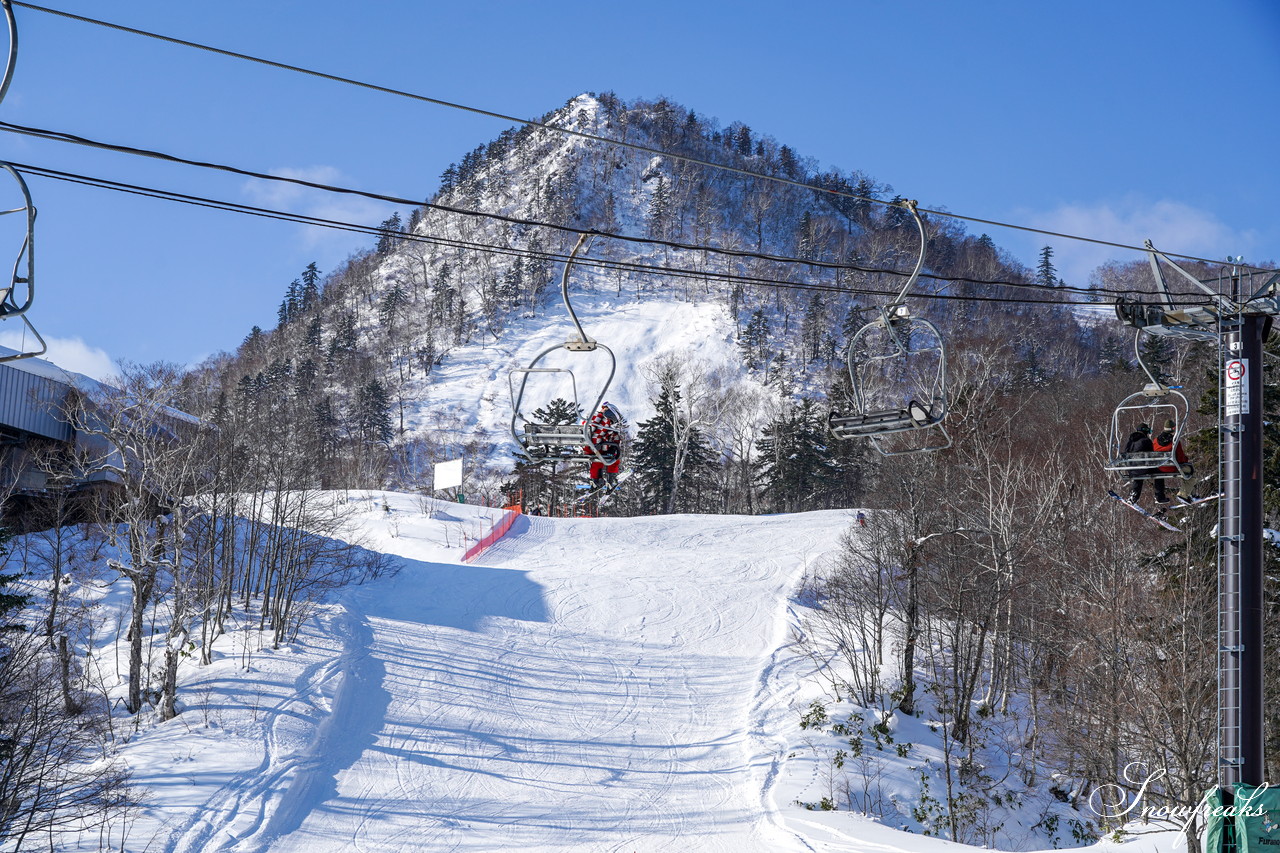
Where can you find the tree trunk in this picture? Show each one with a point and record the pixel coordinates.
(910, 635)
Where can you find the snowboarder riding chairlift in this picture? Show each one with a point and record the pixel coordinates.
(606, 438)
(1140, 441)
(1164, 443)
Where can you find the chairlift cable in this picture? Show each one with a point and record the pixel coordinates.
(597, 263)
(644, 149)
(104, 183)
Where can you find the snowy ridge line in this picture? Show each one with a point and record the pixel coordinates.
(495, 533)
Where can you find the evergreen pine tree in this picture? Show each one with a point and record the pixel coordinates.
(512, 284)
(310, 287)
(654, 456)
(448, 178)
(797, 469)
(860, 207)
(788, 163)
(804, 237)
(11, 603)
(659, 209)
(754, 340)
(389, 234)
(373, 414)
(1112, 355)
(315, 334)
(854, 320)
(558, 411)
(1046, 275)
(252, 343)
(1157, 355)
(391, 304)
(811, 329)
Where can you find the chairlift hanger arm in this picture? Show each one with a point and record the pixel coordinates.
(910, 205)
(9, 307)
(583, 343)
(12, 59)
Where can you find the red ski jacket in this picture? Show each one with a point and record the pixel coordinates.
(1163, 444)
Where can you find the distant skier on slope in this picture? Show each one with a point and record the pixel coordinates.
(606, 440)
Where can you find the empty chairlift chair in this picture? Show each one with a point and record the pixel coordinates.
(898, 375)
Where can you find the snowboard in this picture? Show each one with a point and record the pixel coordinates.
(1182, 503)
(1151, 515)
(605, 491)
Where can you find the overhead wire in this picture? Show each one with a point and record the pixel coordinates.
(392, 199)
(61, 136)
(592, 137)
(604, 263)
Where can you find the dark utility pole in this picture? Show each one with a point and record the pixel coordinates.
(1240, 695)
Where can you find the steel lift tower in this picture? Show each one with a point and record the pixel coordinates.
(1239, 326)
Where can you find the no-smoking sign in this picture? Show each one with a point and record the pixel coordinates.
(1237, 390)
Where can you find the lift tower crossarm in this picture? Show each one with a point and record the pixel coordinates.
(1153, 254)
(1265, 300)
(1191, 322)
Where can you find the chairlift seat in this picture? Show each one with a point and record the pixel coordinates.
(1157, 402)
(913, 416)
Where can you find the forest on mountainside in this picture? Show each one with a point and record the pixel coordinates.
(1002, 568)
(353, 352)
(1002, 580)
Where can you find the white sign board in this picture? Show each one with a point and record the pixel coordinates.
(1236, 387)
(448, 474)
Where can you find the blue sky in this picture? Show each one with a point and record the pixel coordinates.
(1120, 121)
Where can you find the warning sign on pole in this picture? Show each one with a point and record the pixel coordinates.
(1236, 401)
(448, 474)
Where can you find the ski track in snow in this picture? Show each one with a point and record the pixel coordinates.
(596, 685)
(621, 685)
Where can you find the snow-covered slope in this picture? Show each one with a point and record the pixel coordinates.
(471, 394)
(589, 685)
(594, 685)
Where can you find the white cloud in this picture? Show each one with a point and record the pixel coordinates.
(293, 198)
(1172, 226)
(71, 354)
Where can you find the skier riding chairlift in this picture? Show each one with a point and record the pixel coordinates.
(606, 445)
